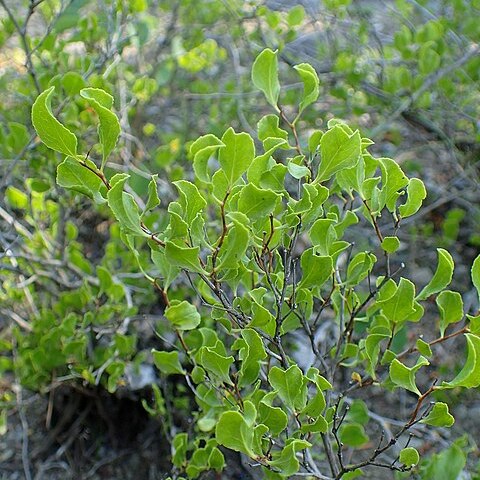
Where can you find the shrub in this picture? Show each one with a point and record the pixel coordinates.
(285, 321)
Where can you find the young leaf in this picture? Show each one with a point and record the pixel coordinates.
(51, 132)
(416, 194)
(167, 362)
(310, 84)
(273, 417)
(237, 155)
(201, 150)
(153, 200)
(182, 315)
(339, 150)
(441, 278)
(409, 457)
(109, 126)
(439, 416)
(404, 376)
(265, 76)
(124, 207)
(390, 244)
(450, 305)
(191, 200)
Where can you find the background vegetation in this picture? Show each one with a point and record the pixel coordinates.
(80, 396)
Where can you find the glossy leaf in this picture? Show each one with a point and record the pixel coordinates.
(182, 315)
(257, 203)
(409, 456)
(235, 432)
(51, 132)
(439, 416)
(183, 257)
(124, 207)
(339, 150)
(109, 126)
(310, 84)
(316, 269)
(404, 376)
(450, 305)
(441, 278)
(167, 362)
(265, 75)
(74, 176)
(237, 155)
(290, 385)
(416, 194)
(469, 376)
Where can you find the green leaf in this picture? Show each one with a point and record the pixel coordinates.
(322, 234)
(257, 203)
(265, 75)
(441, 278)
(297, 171)
(290, 385)
(469, 376)
(167, 362)
(215, 363)
(446, 465)
(74, 176)
(287, 461)
(201, 150)
(390, 244)
(252, 352)
(16, 198)
(475, 272)
(182, 315)
(153, 200)
(51, 132)
(400, 306)
(234, 247)
(267, 127)
(393, 180)
(183, 257)
(191, 200)
(439, 416)
(296, 15)
(72, 83)
(358, 412)
(109, 127)
(273, 417)
(339, 151)
(404, 376)
(237, 155)
(234, 432)
(409, 457)
(353, 435)
(124, 207)
(416, 194)
(310, 84)
(316, 269)
(423, 348)
(450, 305)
